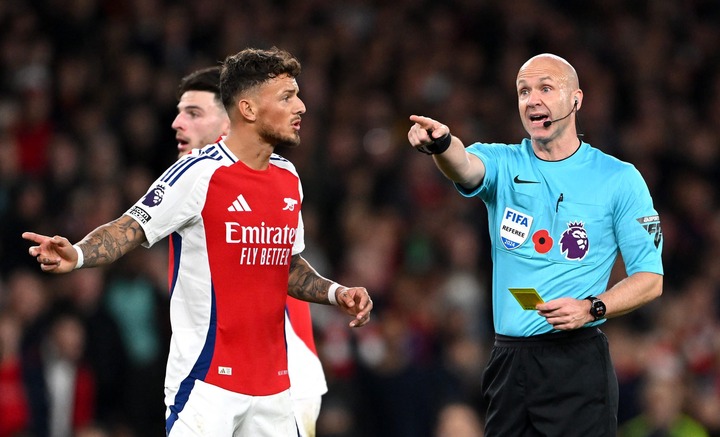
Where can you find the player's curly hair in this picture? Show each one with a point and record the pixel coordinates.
(252, 67)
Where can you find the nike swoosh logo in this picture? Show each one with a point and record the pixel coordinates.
(517, 180)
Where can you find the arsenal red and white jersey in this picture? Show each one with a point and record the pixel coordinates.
(233, 231)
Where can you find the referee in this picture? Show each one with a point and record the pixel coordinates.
(559, 212)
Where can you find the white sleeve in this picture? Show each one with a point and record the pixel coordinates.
(175, 199)
(299, 244)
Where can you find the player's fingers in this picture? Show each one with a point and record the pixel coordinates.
(60, 241)
(346, 298)
(356, 323)
(362, 318)
(47, 261)
(356, 294)
(32, 236)
(48, 265)
(363, 299)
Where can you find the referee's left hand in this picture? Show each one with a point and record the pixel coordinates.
(565, 313)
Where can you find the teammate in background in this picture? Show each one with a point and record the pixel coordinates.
(232, 210)
(202, 120)
(559, 211)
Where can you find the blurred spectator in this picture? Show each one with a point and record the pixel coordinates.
(61, 384)
(106, 350)
(400, 392)
(28, 298)
(14, 409)
(27, 200)
(458, 420)
(140, 310)
(92, 431)
(662, 415)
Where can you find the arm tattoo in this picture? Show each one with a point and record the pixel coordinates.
(110, 241)
(305, 283)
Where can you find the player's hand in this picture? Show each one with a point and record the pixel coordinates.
(425, 130)
(54, 254)
(356, 302)
(565, 313)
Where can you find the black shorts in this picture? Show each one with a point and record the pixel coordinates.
(552, 385)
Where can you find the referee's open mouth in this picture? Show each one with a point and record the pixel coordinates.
(538, 119)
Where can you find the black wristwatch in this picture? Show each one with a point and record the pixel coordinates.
(597, 307)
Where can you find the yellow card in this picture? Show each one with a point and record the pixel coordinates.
(526, 297)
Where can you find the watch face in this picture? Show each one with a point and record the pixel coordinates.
(598, 309)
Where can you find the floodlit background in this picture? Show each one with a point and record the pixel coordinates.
(87, 96)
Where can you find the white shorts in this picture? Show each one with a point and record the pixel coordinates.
(307, 411)
(211, 411)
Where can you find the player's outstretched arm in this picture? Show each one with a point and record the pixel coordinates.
(104, 245)
(306, 284)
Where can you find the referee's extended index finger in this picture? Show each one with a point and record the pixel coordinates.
(424, 122)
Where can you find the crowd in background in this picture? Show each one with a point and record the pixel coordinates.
(87, 96)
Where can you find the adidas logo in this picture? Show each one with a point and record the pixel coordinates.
(239, 205)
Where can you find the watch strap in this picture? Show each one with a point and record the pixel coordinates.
(597, 307)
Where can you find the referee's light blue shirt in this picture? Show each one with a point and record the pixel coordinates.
(557, 226)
